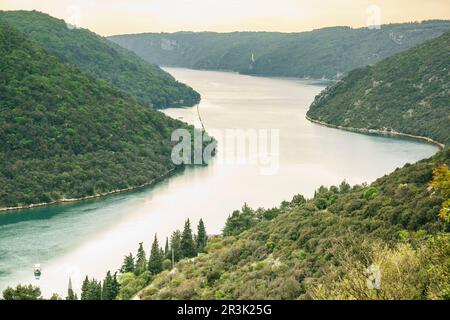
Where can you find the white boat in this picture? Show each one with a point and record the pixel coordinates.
(37, 271)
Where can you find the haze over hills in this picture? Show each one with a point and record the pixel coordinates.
(320, 248)
(75, 122)
(65, 134)
(322, 53)
(408, 92)
(102, 59)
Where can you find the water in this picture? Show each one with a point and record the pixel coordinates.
(93, 236)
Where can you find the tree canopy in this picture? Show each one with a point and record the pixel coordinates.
(408, 93)
(327, 52)
(102, 59)
(65, 134)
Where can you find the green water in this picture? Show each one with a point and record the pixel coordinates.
(91, 237)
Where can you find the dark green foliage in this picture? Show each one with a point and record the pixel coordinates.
(344, 187)
(320, 203)
(84, 288)
(298, 200)
(408, 92)
(201, 236)
(141, 261)
(66, 135)
(188, 248)
(327, 52)
(22, 293)
(167, 253)
(110, 287)
(115, 286)
(155, 262)
(91, 289)
(175, 246)
(102, 59)
(283, 257)
(240, 221)
(128, 264)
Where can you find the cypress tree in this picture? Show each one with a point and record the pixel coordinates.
(95, 290)
(201, 236)
(188, 249)
(91, 290)
(175, 246)
(128, 264)
(107, 289)
(141, 261)
(156, 259)
(85, 289)
(167, 253)
(116, 286)
(70, 294)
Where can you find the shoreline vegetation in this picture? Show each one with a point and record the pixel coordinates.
(299, 54)
(98, 195)
(317, 248)
(378, 131)
(170, 172)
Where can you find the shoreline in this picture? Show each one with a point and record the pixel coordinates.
(378, 131)
(98, 195)
(324, 80)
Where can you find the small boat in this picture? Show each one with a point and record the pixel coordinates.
(37, 271)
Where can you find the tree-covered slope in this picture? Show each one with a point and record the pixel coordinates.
(65, 134)
(102, 59)
(321, 248)
(328, 52)
(408, 92)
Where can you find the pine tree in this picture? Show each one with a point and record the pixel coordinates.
(175, 246)
(107, 289)
(156, 259)
(116, 286)
(167, 253)
(128, 264)
(91, 289)
(201, 236)
(188, 249)
(85, 289)
(141, 261)
(95, 290)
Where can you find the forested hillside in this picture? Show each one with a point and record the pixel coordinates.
(102, 59)
(65, 134)
(408, 92)
(320, 248)
(328, 52)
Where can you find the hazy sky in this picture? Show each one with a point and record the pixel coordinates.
(109, 17)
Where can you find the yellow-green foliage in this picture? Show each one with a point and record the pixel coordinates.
(405, 272)
(308, 252)
(441, 183)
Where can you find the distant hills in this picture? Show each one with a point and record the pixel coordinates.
(66, 134)
(323, 53)
(102, 59)
(408, 92)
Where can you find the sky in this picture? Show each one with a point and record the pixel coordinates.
(109, 17)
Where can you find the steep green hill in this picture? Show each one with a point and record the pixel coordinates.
(65, 134)
(102, 59)
(320, 248)
(328, 52)
(408, 92)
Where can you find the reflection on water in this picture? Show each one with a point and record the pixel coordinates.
(91, 237)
